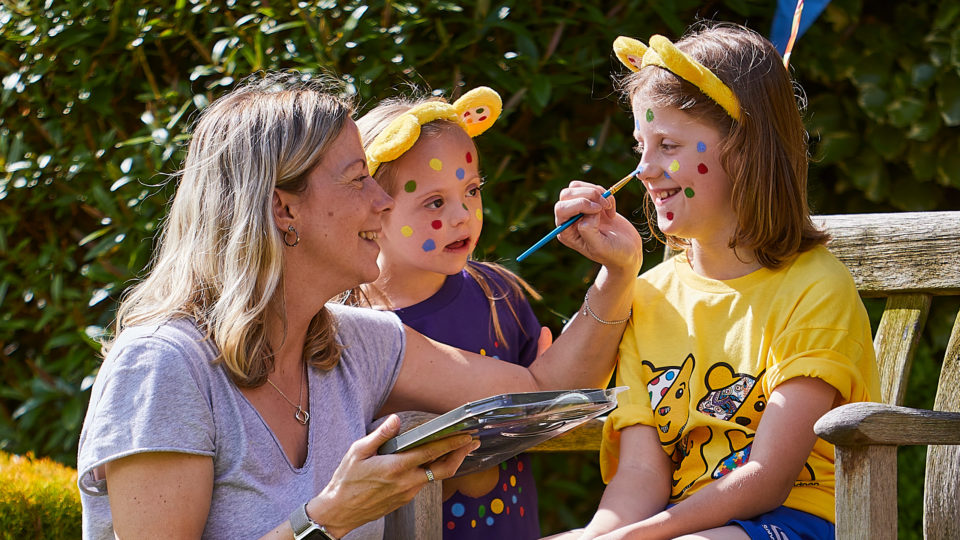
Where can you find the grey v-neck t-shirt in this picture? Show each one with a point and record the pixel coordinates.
(158, 390)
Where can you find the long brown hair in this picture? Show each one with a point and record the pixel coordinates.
(764, 153)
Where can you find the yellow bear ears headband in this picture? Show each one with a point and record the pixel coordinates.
(475, 112)
(663, 53)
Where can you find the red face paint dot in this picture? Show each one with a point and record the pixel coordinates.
(702, 169)
(469, 157)
(436, 224)
(670, 215)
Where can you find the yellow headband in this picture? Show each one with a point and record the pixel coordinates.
(475, 111)
(663, 53)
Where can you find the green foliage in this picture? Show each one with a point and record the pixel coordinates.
(38, 498)
(97, 97)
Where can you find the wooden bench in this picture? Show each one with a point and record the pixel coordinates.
(906, 258)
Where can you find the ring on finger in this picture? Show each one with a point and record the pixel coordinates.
(430, 477)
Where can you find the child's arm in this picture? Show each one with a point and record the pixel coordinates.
(781, 446)
(641, 486)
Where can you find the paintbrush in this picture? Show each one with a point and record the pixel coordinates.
(563, 226)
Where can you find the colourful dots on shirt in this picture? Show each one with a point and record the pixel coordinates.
(702, 168)
(521, 511)
(482, 511)
(649, 115)
(429, 245)
(496, 506)
(458, 509)
(489, 518)
(483, 352)
(410, 186)
(519, 463)
(688, 192)
(513, 480)
(406, 230)
(701, 147)
(451, 525)
(460, 173)
(469, 157)
(436, 224)
(473, 524)
(674, 166)
(436, 164)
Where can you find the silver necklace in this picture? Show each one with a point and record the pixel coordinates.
(301, 415)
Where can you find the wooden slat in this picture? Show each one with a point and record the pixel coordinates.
(866, 423)
(941, 517)
(866, 492)
(897, 337)
(876, 248)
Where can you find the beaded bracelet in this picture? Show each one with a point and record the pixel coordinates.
(588, 311)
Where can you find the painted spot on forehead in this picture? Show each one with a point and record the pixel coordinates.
(480, 214)
(701, 147)
(702, 168)
(649, 115)
(436, 224)
(406, 230)
(410, 186)
(674, 166)
(469, 157)
(436, 164)
(429, 245)
(688, 192)
(461, 173)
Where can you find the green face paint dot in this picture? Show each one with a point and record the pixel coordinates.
(649, 115)
(410, 186)
(464, 206)
(688, 192)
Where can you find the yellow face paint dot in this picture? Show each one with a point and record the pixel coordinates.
(406, 231)
(479, 214)
(436, 164)
(675, 166)
(496, 506)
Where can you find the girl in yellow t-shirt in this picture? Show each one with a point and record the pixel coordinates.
(738, 344)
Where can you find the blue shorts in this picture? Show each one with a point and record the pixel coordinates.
(787, 524)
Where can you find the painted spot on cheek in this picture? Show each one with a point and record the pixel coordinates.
(436, 164)
(410, 186)
(674, 166)
(649, 115)
(701, 147)
(464, 206)
(688, 192)
(670, 215)
(702, 168)
(666, 174)
(460, 173)
(479, 214)
(429, 245)
(436, 224)
(469, 157)
(406, 230)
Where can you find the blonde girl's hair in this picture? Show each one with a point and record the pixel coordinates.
(371, 125)
(764, 153)
(219, 260)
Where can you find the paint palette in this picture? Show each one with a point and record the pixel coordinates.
(508, 424)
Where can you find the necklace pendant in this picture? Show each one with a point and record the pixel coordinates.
(302, 416)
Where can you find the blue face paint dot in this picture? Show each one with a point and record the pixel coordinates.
(457, 509)
(666, 174)
(461, 173)
(489, 521)
(429, 245)
(701, 147)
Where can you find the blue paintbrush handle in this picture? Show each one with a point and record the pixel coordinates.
(563, 226)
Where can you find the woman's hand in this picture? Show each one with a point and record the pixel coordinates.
(366, 486)
(602, 235)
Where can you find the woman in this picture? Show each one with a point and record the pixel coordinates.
(234, 395)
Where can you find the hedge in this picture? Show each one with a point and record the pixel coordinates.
(38, 499)
(97, 97)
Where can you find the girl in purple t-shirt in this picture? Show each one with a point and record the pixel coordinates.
(422, 154)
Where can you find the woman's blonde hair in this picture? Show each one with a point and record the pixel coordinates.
(764, 153)
(219, 259)
(371, 125)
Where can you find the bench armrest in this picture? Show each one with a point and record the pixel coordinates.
(867, 423)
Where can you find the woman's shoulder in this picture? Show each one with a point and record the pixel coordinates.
(179, 336)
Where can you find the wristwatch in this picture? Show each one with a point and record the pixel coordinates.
(305, 528)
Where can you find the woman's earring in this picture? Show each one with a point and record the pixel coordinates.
(290, 229)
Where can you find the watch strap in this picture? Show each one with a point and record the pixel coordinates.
(305, 528)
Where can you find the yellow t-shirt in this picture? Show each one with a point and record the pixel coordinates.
(701, 356)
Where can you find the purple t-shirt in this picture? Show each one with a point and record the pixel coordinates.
(459, 315)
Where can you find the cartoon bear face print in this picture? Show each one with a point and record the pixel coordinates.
(670, 397)
(733, 396)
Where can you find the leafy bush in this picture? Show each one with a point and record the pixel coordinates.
(38, 498)
(97, 98)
